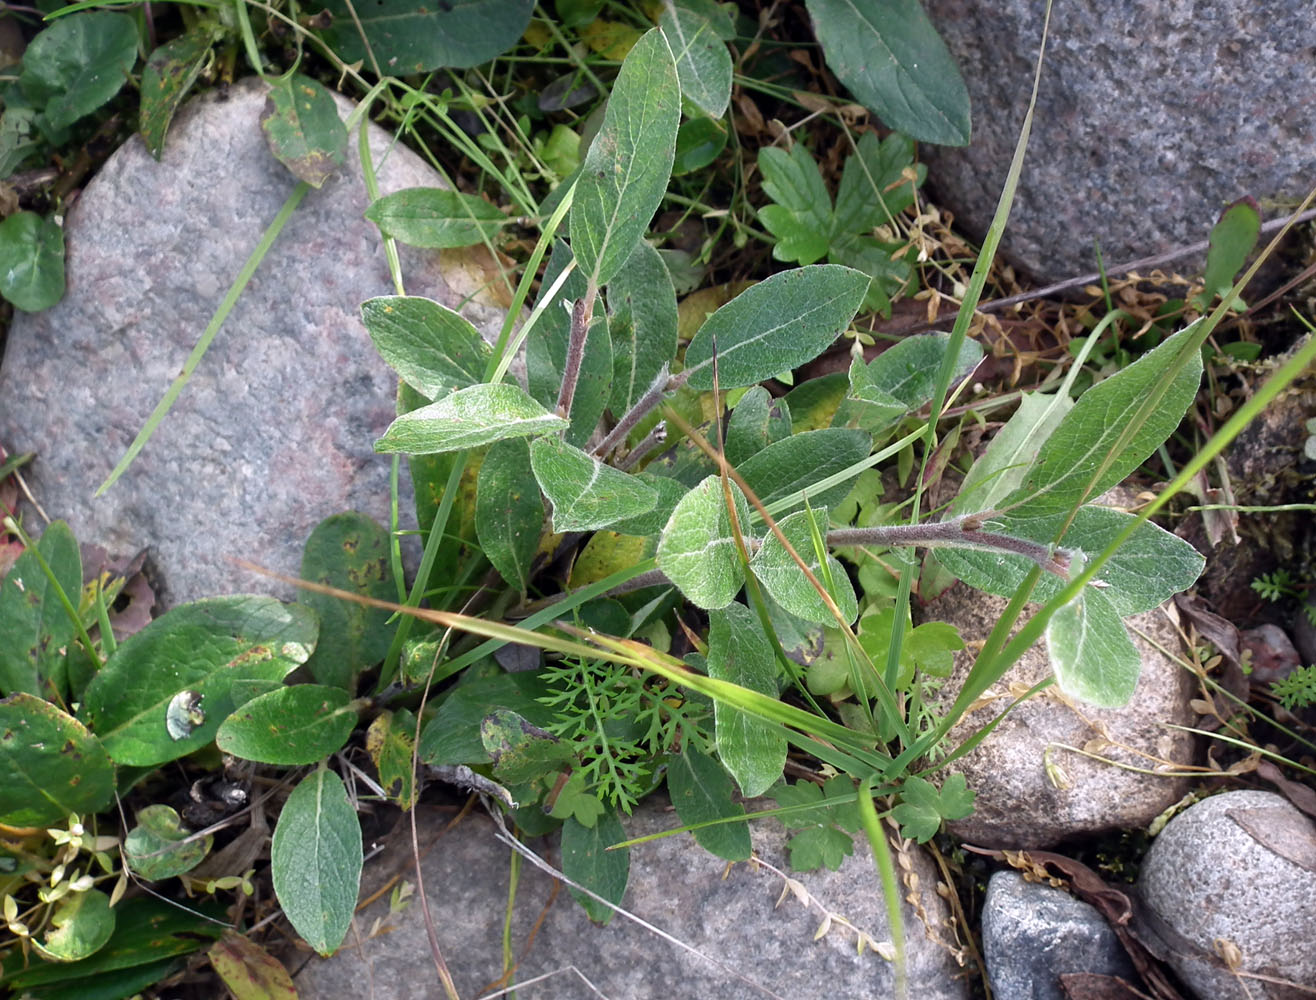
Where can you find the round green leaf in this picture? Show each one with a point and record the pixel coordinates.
(157, 847)
(782, 577)
(316, 859)
(293, 725)
(78, 63)
(82, 923)
(52, 765)
(31, 261)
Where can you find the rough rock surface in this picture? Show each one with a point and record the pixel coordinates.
(1017, 803)
(730, 916)
(1032, 934)
(274, 431)
(1234, 877)
(1151, 116)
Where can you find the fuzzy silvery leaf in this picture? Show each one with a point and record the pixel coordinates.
(697, 551)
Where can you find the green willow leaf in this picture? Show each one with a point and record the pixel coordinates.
(585, 493)
(168, 76)
(436, 219)
(35, 628)
(509, 513)
(316, 859)
(782, 577)
(701, 791)
(432, 348)
(348, 551)
(1091, 652)
(788, 468)
(775, 326)
(468, 418)
(1000, 469)
(587, 861)
(697, 551)
(738, 652)
(1079, 461)
(629, 163)
(53, 765)
(642, 325)
(703, 63)
(891, 58)
(415, 36)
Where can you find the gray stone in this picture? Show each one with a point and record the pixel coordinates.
(275, 430)
(1032, 934)
(1019, 804)
(1152, 115)
(1227, 894)
(754, 947)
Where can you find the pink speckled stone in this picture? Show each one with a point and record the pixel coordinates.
(274, 431)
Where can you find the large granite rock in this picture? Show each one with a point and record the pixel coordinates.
(1031, 792)
(757, 944)
(274, 431)
(1151, 116)
(1228, 898)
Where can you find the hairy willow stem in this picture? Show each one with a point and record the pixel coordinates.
(659, 387)
(960, 532)
(581, 313)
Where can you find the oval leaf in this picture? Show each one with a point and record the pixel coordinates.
(435, 219)
(34, 627)
(1091, 652)
(891, 58)
(788, 468)
(586, 494)
(782, 577)
(587, 861)
(350, 552)
(509, 512)
(31, 261)
(416, 36)
(775, 326)
(642, 325)
(697, 551)
(701, 791)
(753, 751)
(468, 418)
(168, 76)
(250, 971)
(158, 846)
(703, 63)
(316, 860)
(433, 349)
(52, 765)
(302, 128)
(293, 725)
(629, 163)
(222, 650)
